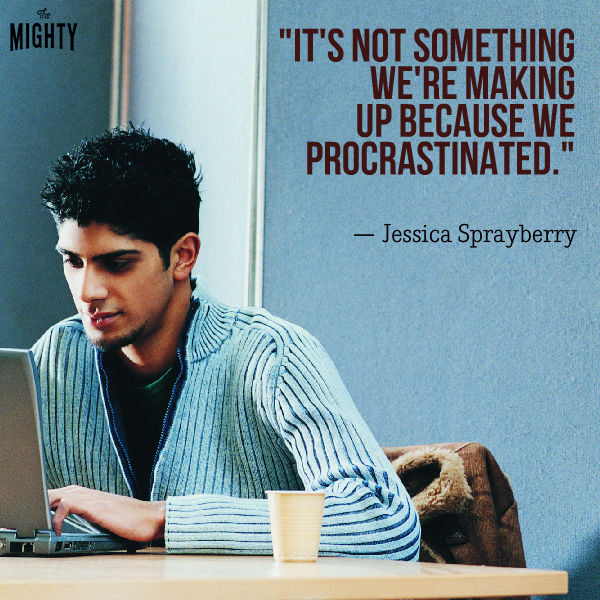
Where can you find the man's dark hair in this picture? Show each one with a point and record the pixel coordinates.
(137, 184)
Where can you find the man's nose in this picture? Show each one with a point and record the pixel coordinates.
(92, 286)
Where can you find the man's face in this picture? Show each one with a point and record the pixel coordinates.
(119, 285)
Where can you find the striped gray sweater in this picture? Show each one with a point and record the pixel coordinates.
(257, 405)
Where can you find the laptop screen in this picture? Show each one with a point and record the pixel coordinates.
(23, 497)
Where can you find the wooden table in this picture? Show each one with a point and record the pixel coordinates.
(147, 575)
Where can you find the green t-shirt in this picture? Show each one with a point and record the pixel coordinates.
(143, 408)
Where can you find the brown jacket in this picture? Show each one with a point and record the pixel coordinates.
(467, 508)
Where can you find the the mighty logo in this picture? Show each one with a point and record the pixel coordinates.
(42, 34)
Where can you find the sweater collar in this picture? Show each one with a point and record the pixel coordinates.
(208, 325)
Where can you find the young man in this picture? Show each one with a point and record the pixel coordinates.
(167, 414)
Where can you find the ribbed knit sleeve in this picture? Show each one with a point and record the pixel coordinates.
(307, 408)
(78, 448)
(367, 510)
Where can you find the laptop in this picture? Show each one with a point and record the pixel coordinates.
(25, 516)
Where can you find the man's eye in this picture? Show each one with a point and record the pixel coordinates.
(72, 261)
(117, 266)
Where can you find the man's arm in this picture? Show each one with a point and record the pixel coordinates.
(127, 517)
(60, 408)
(367, 510)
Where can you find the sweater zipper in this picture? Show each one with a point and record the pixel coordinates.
(166, 420)
(120, 448)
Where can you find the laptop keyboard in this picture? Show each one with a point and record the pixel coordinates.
(77, 524)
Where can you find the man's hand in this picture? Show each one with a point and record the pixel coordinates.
(128, 518)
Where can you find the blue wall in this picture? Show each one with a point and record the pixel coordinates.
(51, 98)
(443, 342)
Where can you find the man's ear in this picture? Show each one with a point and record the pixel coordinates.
(184, 254)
